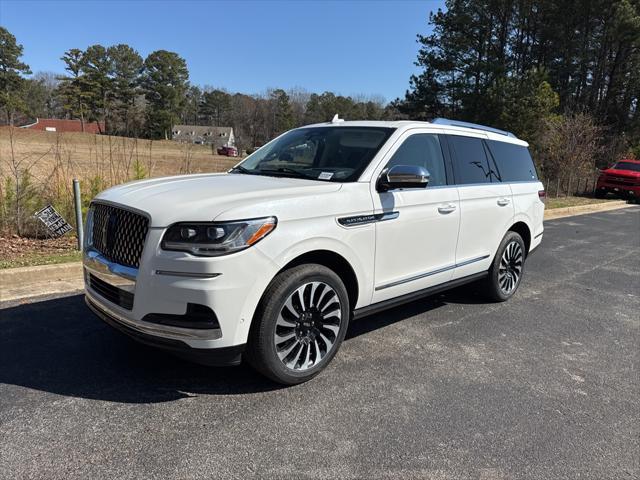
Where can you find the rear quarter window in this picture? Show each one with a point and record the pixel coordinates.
(514, 162)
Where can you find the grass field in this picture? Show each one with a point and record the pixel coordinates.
(37, 169)
(116, 159)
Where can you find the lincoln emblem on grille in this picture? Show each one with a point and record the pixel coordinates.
(110, 232)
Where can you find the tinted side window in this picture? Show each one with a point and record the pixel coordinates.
(513, 161)
(422, 149)
(470, 160)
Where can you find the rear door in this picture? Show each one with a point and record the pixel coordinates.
(486, 204)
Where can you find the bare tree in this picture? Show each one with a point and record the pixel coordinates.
(569, 147)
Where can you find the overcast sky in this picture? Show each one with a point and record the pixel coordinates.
(348, 47)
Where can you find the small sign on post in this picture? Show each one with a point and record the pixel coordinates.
(54, 222)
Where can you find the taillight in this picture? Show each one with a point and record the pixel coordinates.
(542, 195)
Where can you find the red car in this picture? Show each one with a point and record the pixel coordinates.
(623, 178)
(228, 151)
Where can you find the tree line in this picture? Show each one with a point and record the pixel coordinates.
(145, 97)
(556, 73)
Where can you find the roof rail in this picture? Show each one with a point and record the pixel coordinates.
(475, 126)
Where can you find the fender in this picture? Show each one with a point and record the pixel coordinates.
(365, 282)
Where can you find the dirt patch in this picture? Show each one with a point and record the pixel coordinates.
(16, 251)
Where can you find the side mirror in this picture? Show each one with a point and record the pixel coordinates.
(403, 176)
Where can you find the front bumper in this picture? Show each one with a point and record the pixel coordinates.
(604, 186)
(166, 341)
(168, 282)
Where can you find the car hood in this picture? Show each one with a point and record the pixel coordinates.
(204, 197)
(622, 173)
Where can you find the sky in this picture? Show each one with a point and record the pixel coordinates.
(349, 47)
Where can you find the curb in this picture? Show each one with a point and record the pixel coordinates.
(584, 209)
(25, 282)
(41, 273)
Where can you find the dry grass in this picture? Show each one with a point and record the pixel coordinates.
(37, 168)
(84, 155)
(571, 201)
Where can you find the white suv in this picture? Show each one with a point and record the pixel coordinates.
(270, 261)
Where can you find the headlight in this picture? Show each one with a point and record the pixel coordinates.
(217, 238)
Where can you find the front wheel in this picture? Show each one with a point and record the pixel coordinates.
(300, 324)
(507, 269)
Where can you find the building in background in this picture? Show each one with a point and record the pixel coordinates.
(56, 125)
(217, 136)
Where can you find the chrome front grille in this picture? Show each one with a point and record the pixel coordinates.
(118, 234)
(621, 181)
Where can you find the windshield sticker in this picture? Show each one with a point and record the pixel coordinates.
(325, 176)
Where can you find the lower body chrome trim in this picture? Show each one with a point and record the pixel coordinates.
(164, 331)
(432, 272)
(187, 274)
(410, 297)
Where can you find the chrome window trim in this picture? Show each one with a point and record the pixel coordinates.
(432, 272)
(461, 185)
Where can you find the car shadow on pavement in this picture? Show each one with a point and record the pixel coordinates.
(466, 295)
(59, 346)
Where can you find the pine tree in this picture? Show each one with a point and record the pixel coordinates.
(73, 89)
(97, 67)
(165, 80)
(126, 69)
(12, 83)
(282, 113)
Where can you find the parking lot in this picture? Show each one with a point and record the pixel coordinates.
(544, 386)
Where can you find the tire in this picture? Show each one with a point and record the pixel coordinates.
(507, 268)
(299, 325)
(600, 193)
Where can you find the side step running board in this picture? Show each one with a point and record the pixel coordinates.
(410, 297)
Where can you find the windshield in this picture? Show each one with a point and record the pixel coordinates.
(337, 154)
(635, 167)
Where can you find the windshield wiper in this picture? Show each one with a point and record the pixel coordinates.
(241, 169)
(297, 173)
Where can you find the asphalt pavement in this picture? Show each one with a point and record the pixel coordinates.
(546, 385)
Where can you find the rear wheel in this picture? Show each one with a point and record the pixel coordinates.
(507, 268)
(300, 324)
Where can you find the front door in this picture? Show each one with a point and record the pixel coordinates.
(417, 232)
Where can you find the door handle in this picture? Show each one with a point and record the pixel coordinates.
(447, 209)
(503, 202)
